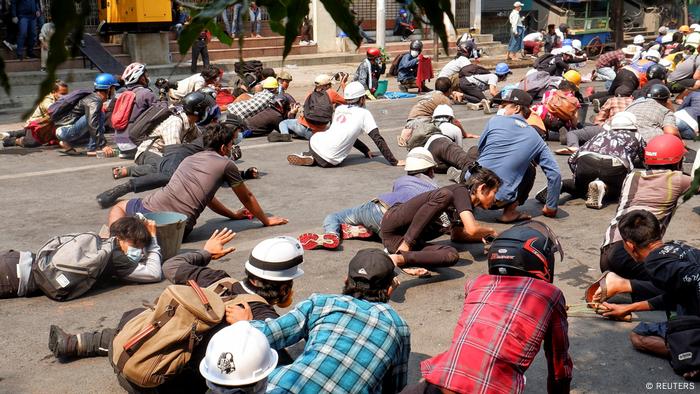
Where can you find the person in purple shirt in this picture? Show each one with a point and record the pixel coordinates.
(509, 147)
(135, 77)
(363, 221)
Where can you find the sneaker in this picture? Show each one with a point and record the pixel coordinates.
(402, 88)
(350, 231)
(276, 136)
(474, 106)
(595, 195)
(108, 198)
(9, 46)
(541, 195)
(4, 135)
(311, 241)
(453, 174)
(596, 105)
(303, 43)
(297, 159)
(59, 343)
(487, 107)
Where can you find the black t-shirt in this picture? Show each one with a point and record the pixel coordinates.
(675, 268)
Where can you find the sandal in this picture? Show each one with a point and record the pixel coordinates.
(121, 172)
(250, 173)
(70, 152)
(522, 216)
(592, 289)
(565, 151)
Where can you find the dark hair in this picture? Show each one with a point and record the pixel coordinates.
(639, 227)
(210, 73)
(481, 176)
(525, 111)
(567, 86)
(132, 230)
(443, 84)
(217, 135)
(370, 295)
(677, 37)
(58, 84)
(268, 72)
(238, 91)
(274, 292)
(689, 48)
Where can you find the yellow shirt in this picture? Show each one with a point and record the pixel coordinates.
(42, 111)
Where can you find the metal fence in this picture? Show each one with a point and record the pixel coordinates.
(367, 9)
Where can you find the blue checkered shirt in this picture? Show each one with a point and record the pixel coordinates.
(248, 108)
(352, 346)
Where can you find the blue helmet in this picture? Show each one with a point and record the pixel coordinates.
(567, 41)
(105, 81)
(502, 69)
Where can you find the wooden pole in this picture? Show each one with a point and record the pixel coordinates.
(618, 32)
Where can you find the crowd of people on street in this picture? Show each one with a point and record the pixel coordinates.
(208, 331)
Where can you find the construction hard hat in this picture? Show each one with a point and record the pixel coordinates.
(133, 72)
(285, 76)
(105, 81)
(638, 39)
(270, 83)
(573, 76)
(659, 92)
(568, 50)
(630, 50)
(663, 30)
(323, 79)
(502, 69)
(373, 52)
(238, 355)
(419, 159)
(695, 27)
(664, 149)
(567, 41)
(353, 90)
(276, 259)
(652, 55)
(623, 121)
(577, 45)
(443, 110)
(684, 29)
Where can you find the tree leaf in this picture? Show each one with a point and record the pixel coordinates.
(201, 19)
(4, 82)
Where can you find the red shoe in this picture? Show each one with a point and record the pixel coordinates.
(311, 241)
(350, 232)
(590, 90)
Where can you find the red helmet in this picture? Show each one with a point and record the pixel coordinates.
(664, 149)
(373, 52)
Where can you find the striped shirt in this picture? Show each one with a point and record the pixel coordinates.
(656, 191)
(351, 346)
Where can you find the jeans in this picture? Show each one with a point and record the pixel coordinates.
(146, 163)
(574, 138)
(255, 21)
(27, 32)
(79, 130)
(605, 74)
(295, 127)
(686, 131)
(367, 214)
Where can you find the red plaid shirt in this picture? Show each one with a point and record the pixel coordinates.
(503, 324)
(610, 59)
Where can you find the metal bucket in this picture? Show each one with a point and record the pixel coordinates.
(170, 227)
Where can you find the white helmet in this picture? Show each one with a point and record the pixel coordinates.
(624, 121)
(695, 27)
(638, 39)
(652, 55)
(443, 110)
(419, 159)
(133, 72)
(323, 79)
(276, 259)
(353, 90)
(567, 50)
(577, 45)
(663, 30)
(238, 355)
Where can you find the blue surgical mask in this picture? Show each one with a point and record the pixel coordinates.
(238, 139)
(501, 111)
(134, 254)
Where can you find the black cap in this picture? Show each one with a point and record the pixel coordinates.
(371, 269)
(515, 96)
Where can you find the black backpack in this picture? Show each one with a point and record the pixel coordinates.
(249, 67)
(148, 121)
(318, 108)
(65, 104)
(473, 69)
(394, 69)
(544, 62)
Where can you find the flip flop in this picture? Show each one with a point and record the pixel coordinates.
(122, 172)
(351, 232)
(522, 216)
(565, 151)
(592, 289)
(70, 152)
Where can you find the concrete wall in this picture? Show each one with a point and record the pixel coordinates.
(148, 48)
(325, 29)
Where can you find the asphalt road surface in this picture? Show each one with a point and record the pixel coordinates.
(44, 194)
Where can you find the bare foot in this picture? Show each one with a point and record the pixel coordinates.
(419, 272)
(614, 284)
(513, 216)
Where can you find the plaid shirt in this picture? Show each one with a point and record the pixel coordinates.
(503, 324)
(611, 107)
(611, 59)
(351, 345)
(246, 109)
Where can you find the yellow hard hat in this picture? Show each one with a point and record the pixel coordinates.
(573, 76)
(684, 29)
(270, 83)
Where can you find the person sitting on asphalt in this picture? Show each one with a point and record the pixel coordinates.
(686, 75)
(178, 128)
(268, 120)
(407, 229)
(210, 76)
(259, 102)
(315, 117)
(656, 74)
(135, 77)
(370, 70)
(602, 163)
(134, 256)
(38, 129)
(408, 77)
(559, 120)
(363, 220)
(533, 43)
(194, 184)
(629, 78)
(270, 271)
(608, 64)
(332, 147)
(473, 86)
(355, 342)
(284, 79)
(555, 64)
(693, 38)
(86, 121)
(516, 306)
(687, 115)
(654, 113)
(672, 270)
(511, 148)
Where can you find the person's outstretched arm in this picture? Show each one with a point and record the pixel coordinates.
(383, 147)
(251, 203)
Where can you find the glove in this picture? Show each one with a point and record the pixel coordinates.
(15, 20)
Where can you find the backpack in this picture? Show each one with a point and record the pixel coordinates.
(683, 343)
(535, 83)
(318, 108)
(148, 121)
(253, 67)
(544, 62)
(157, 344)
(68, 265)
(473, 69)
(394, 69)
(121, 113)
(65, 104)
(563, 107)
(416, 134)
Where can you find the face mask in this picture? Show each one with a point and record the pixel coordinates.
(134, 254)
(501, 111)
(415, 53)
(238, 139)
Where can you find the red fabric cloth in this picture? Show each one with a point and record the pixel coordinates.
(504, 321)
(425, 70)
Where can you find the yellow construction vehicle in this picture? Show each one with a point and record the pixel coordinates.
(119, 16)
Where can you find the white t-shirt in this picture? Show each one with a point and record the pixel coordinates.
(536, 36)
(452, 131)
(483, 81)
(187, 86)
(334, 144)
(453, 66)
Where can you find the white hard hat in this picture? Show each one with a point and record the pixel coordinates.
(276, 259)
(638, 39)
(652, 55)
(419, 159)
(518, 4)
(695, 27)
(530, 72)
(567, 50)
(663, 30)
(577, 45)
(133, 72)
(443, 110)
(323, 79)
(623, 121)
(353, 91)
(666, 39)
(238, 355)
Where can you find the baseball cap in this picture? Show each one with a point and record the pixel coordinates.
(518, 4)
(515, 96)
(322, 79)
(371, 269)
(285, 76)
